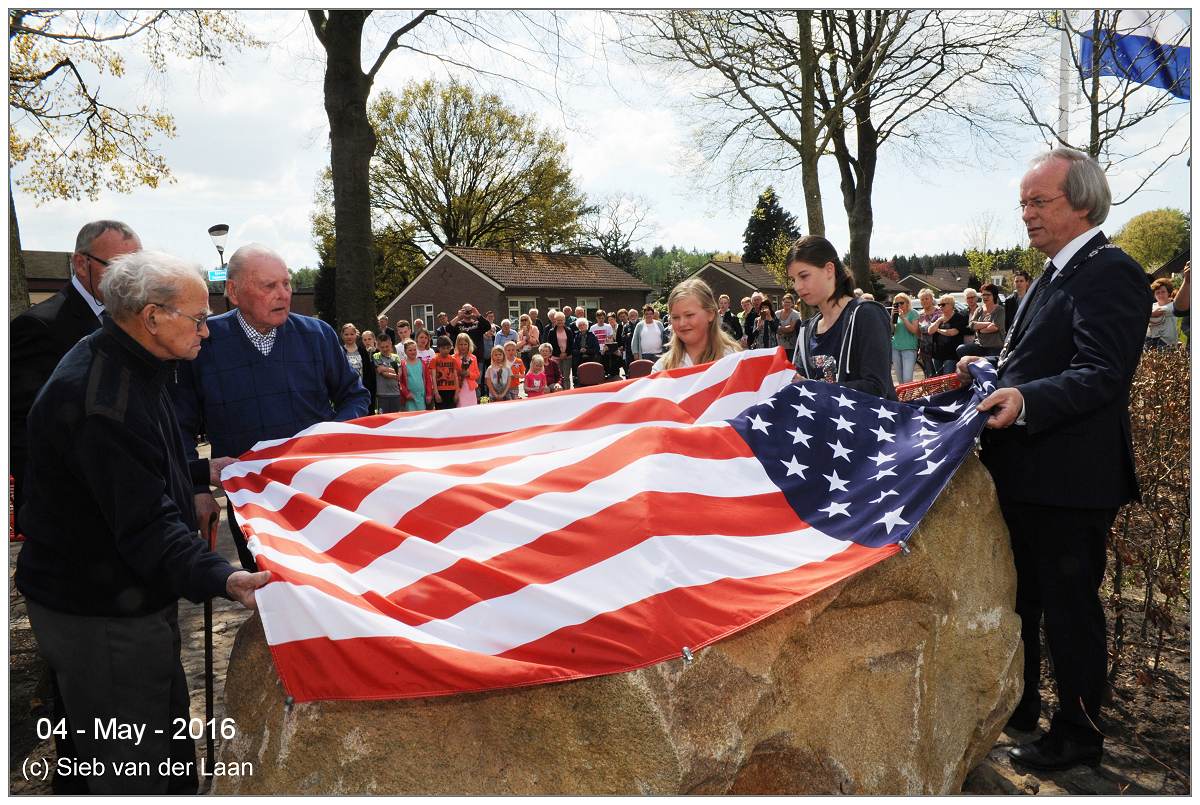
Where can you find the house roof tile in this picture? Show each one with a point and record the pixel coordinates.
(522, 269)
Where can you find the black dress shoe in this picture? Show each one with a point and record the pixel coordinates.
(1050, 753)
(1020, 723)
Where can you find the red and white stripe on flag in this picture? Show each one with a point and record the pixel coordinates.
(582, 533)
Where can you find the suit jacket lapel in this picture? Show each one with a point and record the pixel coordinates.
(1065, 275)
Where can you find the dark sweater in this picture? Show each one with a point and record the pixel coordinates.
(108, 518)
(863, 352)
(238, 396)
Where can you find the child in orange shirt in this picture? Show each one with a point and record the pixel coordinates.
(517, 367)
(445, 373)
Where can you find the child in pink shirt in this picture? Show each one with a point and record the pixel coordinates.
(535, 378)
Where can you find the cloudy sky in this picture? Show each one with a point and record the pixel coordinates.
(252, 139)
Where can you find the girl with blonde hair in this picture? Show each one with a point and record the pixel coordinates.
(696, 334)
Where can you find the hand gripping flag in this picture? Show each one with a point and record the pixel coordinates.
(587, 532)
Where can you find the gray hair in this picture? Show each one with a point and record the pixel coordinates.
(506, 321)
(238, 260)
(1086, 186)
(90, 231)
(137, 279)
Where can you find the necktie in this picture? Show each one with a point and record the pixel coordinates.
(1027, 310)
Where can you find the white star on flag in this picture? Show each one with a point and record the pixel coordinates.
(882, 435)
(883, 413)
(883, 495)
(926, 432)
(758, 423)
(883, 473)
(844, 424)
(802, 411)
(799, 436)
(882, 457)
(835, 482)
(839, 451)
(930, 466)
(892, 519)
(843, 402)
(805, 392)
(795, 468)
(836, 508)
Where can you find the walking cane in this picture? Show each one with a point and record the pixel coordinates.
(209, 741)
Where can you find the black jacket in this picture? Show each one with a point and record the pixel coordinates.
(731, 325)
(1073, 360)
(550, 336)
(865, 355)
(109, 522)
(39, 338)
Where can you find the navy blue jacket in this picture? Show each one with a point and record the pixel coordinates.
(1073, 361)
(109, 523)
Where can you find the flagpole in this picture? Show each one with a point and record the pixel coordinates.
(1064, 80)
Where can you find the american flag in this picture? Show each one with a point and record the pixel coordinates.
(587, 532)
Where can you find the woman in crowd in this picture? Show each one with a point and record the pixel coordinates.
(848, 340)
(497, 376)
(561, 339)
(554, 375)
(468, 370)
(359, 358)
(988, 324)
(696, 334)
(765, 328)
(528, 337)
(416, 380)
(927, 315)
(947, 332)
(369, 347)
(904, 337)
(387, 367)
(1161, 333)
(648, 337)
(354, 355)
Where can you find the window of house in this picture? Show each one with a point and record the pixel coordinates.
(590, 303)
(553, 302)
(423, 312)
(998, 280)
(518, 305)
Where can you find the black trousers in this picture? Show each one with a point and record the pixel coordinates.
(127, 670)
(1060, 555)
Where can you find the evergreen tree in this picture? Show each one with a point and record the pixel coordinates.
(768, 221)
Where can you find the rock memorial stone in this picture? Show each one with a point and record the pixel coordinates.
(897, 681)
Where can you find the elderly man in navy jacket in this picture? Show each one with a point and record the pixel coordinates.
(1058, 443)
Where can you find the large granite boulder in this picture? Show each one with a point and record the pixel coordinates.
(897, 681)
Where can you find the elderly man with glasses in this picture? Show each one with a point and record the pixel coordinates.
(110, 528)
(1058, 445)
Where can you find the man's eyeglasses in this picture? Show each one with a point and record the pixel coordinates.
(1038, 203)
(199, 321)
(91, 256)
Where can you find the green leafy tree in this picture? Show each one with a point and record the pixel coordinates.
(1154, 237)
(465, 170)
(303, 279)
(776, 257)
(767, 222)
(69, 141)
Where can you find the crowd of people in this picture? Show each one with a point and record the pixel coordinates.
(117, 378)
(470, 359)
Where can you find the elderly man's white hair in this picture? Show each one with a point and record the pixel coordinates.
(137, 279)
(238, 260)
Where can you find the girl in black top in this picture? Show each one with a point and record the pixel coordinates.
(848, 341)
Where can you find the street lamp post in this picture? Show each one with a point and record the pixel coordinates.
(219, 234)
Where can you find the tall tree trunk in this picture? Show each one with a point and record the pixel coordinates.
(352, 144)
(808, 127)
(1098, 47)
(861, 212)
(18, 290)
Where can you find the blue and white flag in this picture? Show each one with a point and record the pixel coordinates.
(1147, 47)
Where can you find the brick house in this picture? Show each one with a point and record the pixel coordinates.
(739, 280)
(942, 280)
(511, 282)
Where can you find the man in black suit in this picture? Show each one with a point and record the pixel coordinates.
(1021, 281)
(39, 338)
(1058, 444)
(42, 334)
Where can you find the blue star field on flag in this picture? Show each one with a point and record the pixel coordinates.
(858, 467)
